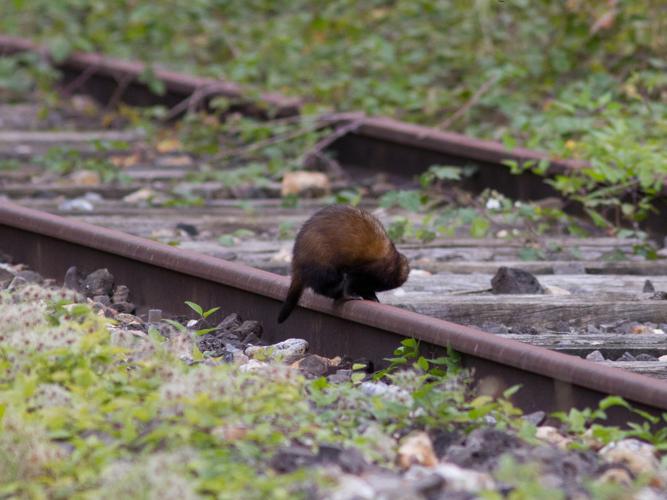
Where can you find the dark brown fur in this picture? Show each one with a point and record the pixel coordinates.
(343, 252)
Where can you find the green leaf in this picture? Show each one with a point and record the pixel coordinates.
(479, 227)
(320, 383)
(60, 47)
(197, 355)
(204, 331)
(610, 401)
(508, 393)
(176, 325)
(195, 307)
(206, 314)
(227, 240)
(598, 220)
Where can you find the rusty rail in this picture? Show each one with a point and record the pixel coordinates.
(378, 143)
(107, 79)
(161, 276)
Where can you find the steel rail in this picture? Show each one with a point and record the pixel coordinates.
(162, 276)
(105, 77)
(377, 143)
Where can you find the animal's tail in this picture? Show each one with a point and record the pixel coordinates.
(293, 296)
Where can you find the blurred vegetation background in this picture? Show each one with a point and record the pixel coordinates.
(578, 78)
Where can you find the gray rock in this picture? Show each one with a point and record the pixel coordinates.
(124, 307)
(648, 287)
(73, 279)
(627, 357)
(6, 278)
(30, 276)
(535, 418)
(230, 322)
(350, 460)
(313, 366)
(482, 448)
(248, 327)
(645, 357)
(229, 256)
(340, 376)
(120, 294)
(595, 356)
(293, 458)
(251, 339)
(99, 282)
(515, 281)
(102, 299)
(17, 283)
(154, 315)
(217, 343)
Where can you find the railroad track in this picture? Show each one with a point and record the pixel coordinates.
(594, 305)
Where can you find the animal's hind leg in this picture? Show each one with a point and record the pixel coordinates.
(325, 281)
(349, 293)
(356, 289)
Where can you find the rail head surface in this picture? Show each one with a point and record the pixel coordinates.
(568, 370)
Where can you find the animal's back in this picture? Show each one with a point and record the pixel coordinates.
(341, 236)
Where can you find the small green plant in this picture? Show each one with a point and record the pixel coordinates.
(65, 161)
(408, 352)
(525, 480)
(203, 314)
(579, 422)
(437, 173)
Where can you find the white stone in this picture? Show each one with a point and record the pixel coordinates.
(283, 255)
(85, 178)
(352, 487)
(492, 204)
(416, 448)
(386, 391)
(637, 455)
(287, 351)
(419, 273)
(551, 435)
(141, 195)
(301, 181)
(459, 479)
(254, 366)
(76, 205)
(556, 290)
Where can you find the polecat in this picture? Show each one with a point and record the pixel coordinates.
(343, 252)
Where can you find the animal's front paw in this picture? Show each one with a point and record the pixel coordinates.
(351, 296)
